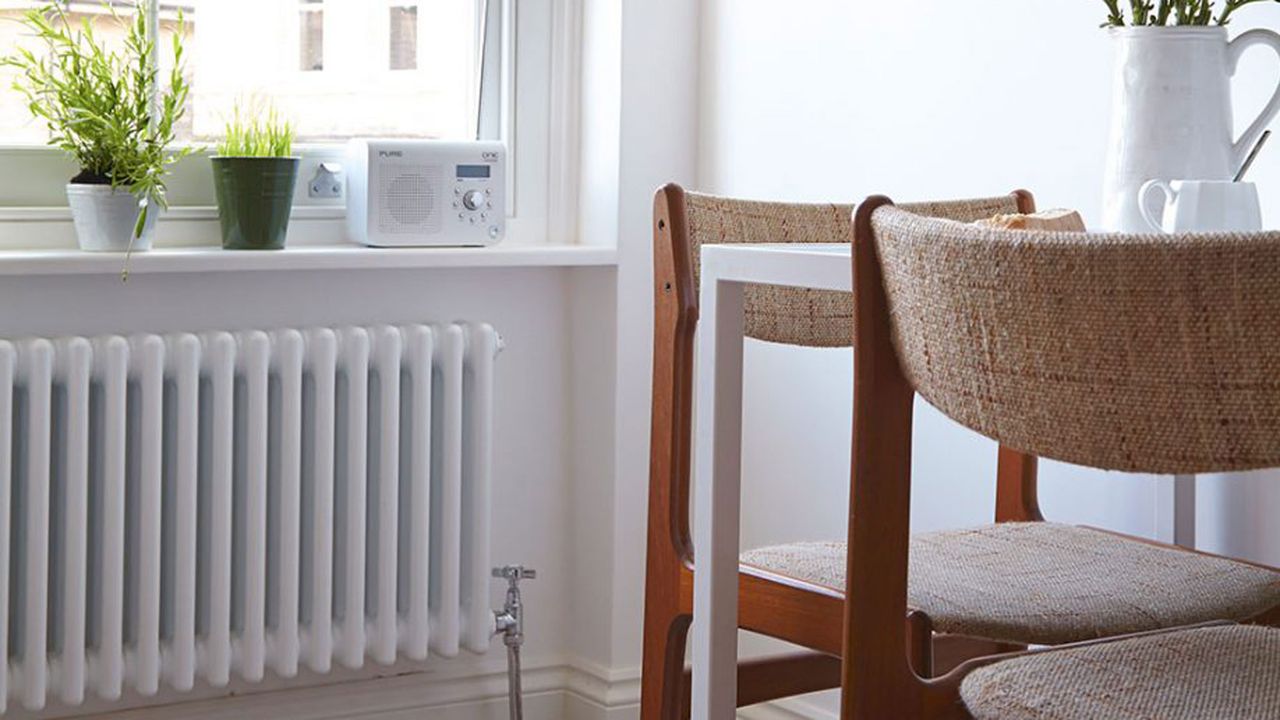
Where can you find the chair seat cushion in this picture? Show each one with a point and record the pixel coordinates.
(1047, 584)
(1214, 672)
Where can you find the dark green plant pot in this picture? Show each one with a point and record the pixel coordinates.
(255, 197)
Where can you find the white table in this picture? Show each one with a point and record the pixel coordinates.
(726, 269)
(718, 444)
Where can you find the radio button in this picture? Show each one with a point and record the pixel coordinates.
(473, 200)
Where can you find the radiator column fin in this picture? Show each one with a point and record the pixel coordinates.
(185, 351)
(112, 371)
(478, 412)
(38, 377)
(419, 349)
(148, 354)
(75, 367)
(322, 352)
(221, 349)
(449, 456)
(355, 365)
(288, 367)
(255, 348)
(387, 349)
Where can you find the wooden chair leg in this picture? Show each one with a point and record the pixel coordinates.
(663, 689)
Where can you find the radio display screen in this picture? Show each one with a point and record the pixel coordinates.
(473, 171)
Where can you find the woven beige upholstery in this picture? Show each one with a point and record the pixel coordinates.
(1045, 583)
(1131, 352)
(1214, 673)
(798, 316)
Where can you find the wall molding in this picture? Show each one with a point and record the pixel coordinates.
(547, 684)
(555, 689)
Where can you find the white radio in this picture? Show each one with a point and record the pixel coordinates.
(403, 193)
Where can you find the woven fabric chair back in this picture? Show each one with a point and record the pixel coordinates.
(1148, 353)
(798, 316)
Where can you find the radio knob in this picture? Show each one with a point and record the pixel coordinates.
(473, 199)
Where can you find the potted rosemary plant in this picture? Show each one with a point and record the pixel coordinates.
(1173, 115)
(254, 174)
(110, 112)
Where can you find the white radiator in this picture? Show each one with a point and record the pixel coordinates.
(183, 507)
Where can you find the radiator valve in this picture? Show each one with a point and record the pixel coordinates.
(509, 621)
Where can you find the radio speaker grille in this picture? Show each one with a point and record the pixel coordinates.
(409, 201)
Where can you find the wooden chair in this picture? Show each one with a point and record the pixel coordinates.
(774, 604)
(795, 592)
(1149, 354)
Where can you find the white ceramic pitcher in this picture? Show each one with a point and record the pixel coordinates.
(1172, 113)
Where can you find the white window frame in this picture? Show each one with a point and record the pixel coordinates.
(538, 37)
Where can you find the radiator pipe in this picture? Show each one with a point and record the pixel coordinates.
(514, 694)
(509, 623)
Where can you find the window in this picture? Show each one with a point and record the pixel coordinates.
(346, 68)
(353, 67)
(338, 69)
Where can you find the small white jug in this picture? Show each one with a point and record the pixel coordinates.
(1202, 206)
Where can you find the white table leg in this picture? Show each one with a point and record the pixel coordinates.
(1176, 510)
(717, 501)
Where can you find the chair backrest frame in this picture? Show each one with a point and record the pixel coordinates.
(675, 326)
(878, 679)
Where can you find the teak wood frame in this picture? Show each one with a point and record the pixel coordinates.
(807, 615)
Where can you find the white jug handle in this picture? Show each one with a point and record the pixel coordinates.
(1144, 204)
(1235, 50)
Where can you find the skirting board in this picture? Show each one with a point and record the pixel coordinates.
(565, 691)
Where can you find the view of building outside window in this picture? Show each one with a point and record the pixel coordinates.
(404, 37)
(336, 68)
(16, 124)
(311, 36)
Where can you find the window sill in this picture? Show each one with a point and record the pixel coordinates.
(328, 257)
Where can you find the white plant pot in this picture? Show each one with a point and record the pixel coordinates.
(105, 218)
(1172, 113)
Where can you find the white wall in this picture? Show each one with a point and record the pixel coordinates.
(916, 99)
(832, 101)
(640, 130)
